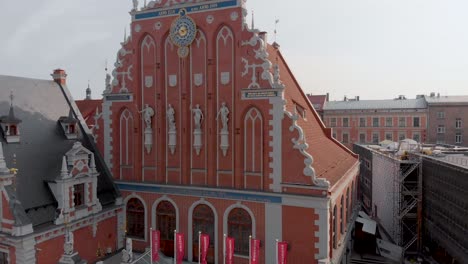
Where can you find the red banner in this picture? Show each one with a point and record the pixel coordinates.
(229, 250)
(180, 250)
(155, 244)
(282, 253)
(204, 245)
(254, 251)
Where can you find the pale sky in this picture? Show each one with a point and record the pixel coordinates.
(376, 49)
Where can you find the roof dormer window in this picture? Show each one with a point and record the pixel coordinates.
(9, 124)
(68, 124)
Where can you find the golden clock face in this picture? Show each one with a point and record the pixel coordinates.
(183, 31)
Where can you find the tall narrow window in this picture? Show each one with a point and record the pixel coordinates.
(78, 195)
(416, 122)
(342, 215)
(375, 137)
(458, 138)
(388, 135)
(458, 123)
(389, 122)
(240, 228)
(345, 138)
(345, 122)
(362, 121)
(3, 258)
(166, 223)
(402, 121)
(348, 206)
(333, 122)
(253, 141)
(126, 145)
(335, 236)
(135, 218)
(362, 138)
(375, 122)
(203, 221)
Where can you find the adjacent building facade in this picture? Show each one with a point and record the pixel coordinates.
(58, 203)
(372, 121)
(448, 116)
(205, 129)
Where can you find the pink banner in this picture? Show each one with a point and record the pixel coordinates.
(155, 244)
(282, 253)
(180, 249)
(204, 245)
(255, 251)
(229, 250)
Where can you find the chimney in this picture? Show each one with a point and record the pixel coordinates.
(60, 76)
(328, 97)
(432, 94)
(357, 98)
(438, 95)
(345, 98)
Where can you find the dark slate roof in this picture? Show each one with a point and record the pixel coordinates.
(419, 103)
(38, 156)
(10, 118)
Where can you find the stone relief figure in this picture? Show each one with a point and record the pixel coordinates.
(135, 4)
(127, 252)
(197, 117)
(148, 113)
(223, 112)
(170, 118)
(108, 84)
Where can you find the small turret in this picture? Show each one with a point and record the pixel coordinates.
(9, 124)
(88, 93)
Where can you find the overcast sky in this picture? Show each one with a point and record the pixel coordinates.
(373, 48)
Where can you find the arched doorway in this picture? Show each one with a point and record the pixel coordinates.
(203, 220)
(166, 223)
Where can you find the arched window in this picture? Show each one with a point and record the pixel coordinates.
(341, 215)
(240, 228)
(166, 223)
(135, 218)
(334, 228)
(203, 220)
(348, 206)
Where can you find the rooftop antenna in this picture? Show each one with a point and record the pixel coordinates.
(106, 66)
(125, 34)
(276, 25)
(11, 98)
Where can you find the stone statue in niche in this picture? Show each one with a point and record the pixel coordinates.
(148, 113)
(224, 133)
(172, 132)
(223, 112)
(197, 116)
(108, 84)
(197, 132)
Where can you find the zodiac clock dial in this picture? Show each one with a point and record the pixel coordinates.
(183, 30)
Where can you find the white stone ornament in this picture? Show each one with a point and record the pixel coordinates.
(225, 78)
(234, 16)
(224, 133)
(198, 79)
(172, 80)
(148, 81)
(197, 132)
(148, 113)
(209, 19)
(172, 131)
(137, 28)
(157, 25)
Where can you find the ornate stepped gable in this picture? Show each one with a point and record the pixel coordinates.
(225, 64)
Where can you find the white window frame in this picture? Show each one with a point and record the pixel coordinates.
(441, 129)
(419, 121)
(458, 123)
(332, 121)
(378, 122)
(391, 121)
(365, 122)
(440, 114)
(458, 138)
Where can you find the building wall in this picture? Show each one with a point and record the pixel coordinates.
(450, 114)
(86, 244)
(394, 132)
(365, 177)
(445, 210)
(385, 193)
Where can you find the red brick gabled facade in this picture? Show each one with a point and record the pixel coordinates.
(220, 126)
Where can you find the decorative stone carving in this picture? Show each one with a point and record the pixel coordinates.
(137, 28)
(69, 241)
(254, 84)
(148, 113)
(135, 5)
(172, 131)
(209, 19)
(197, 121)
(157, 25)
(234, 16)
(172, 80)
(225, 78)
(224, 133)
(108, 84)
(148, 81)
(127, 253)
(198, 79)
(301, 145)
